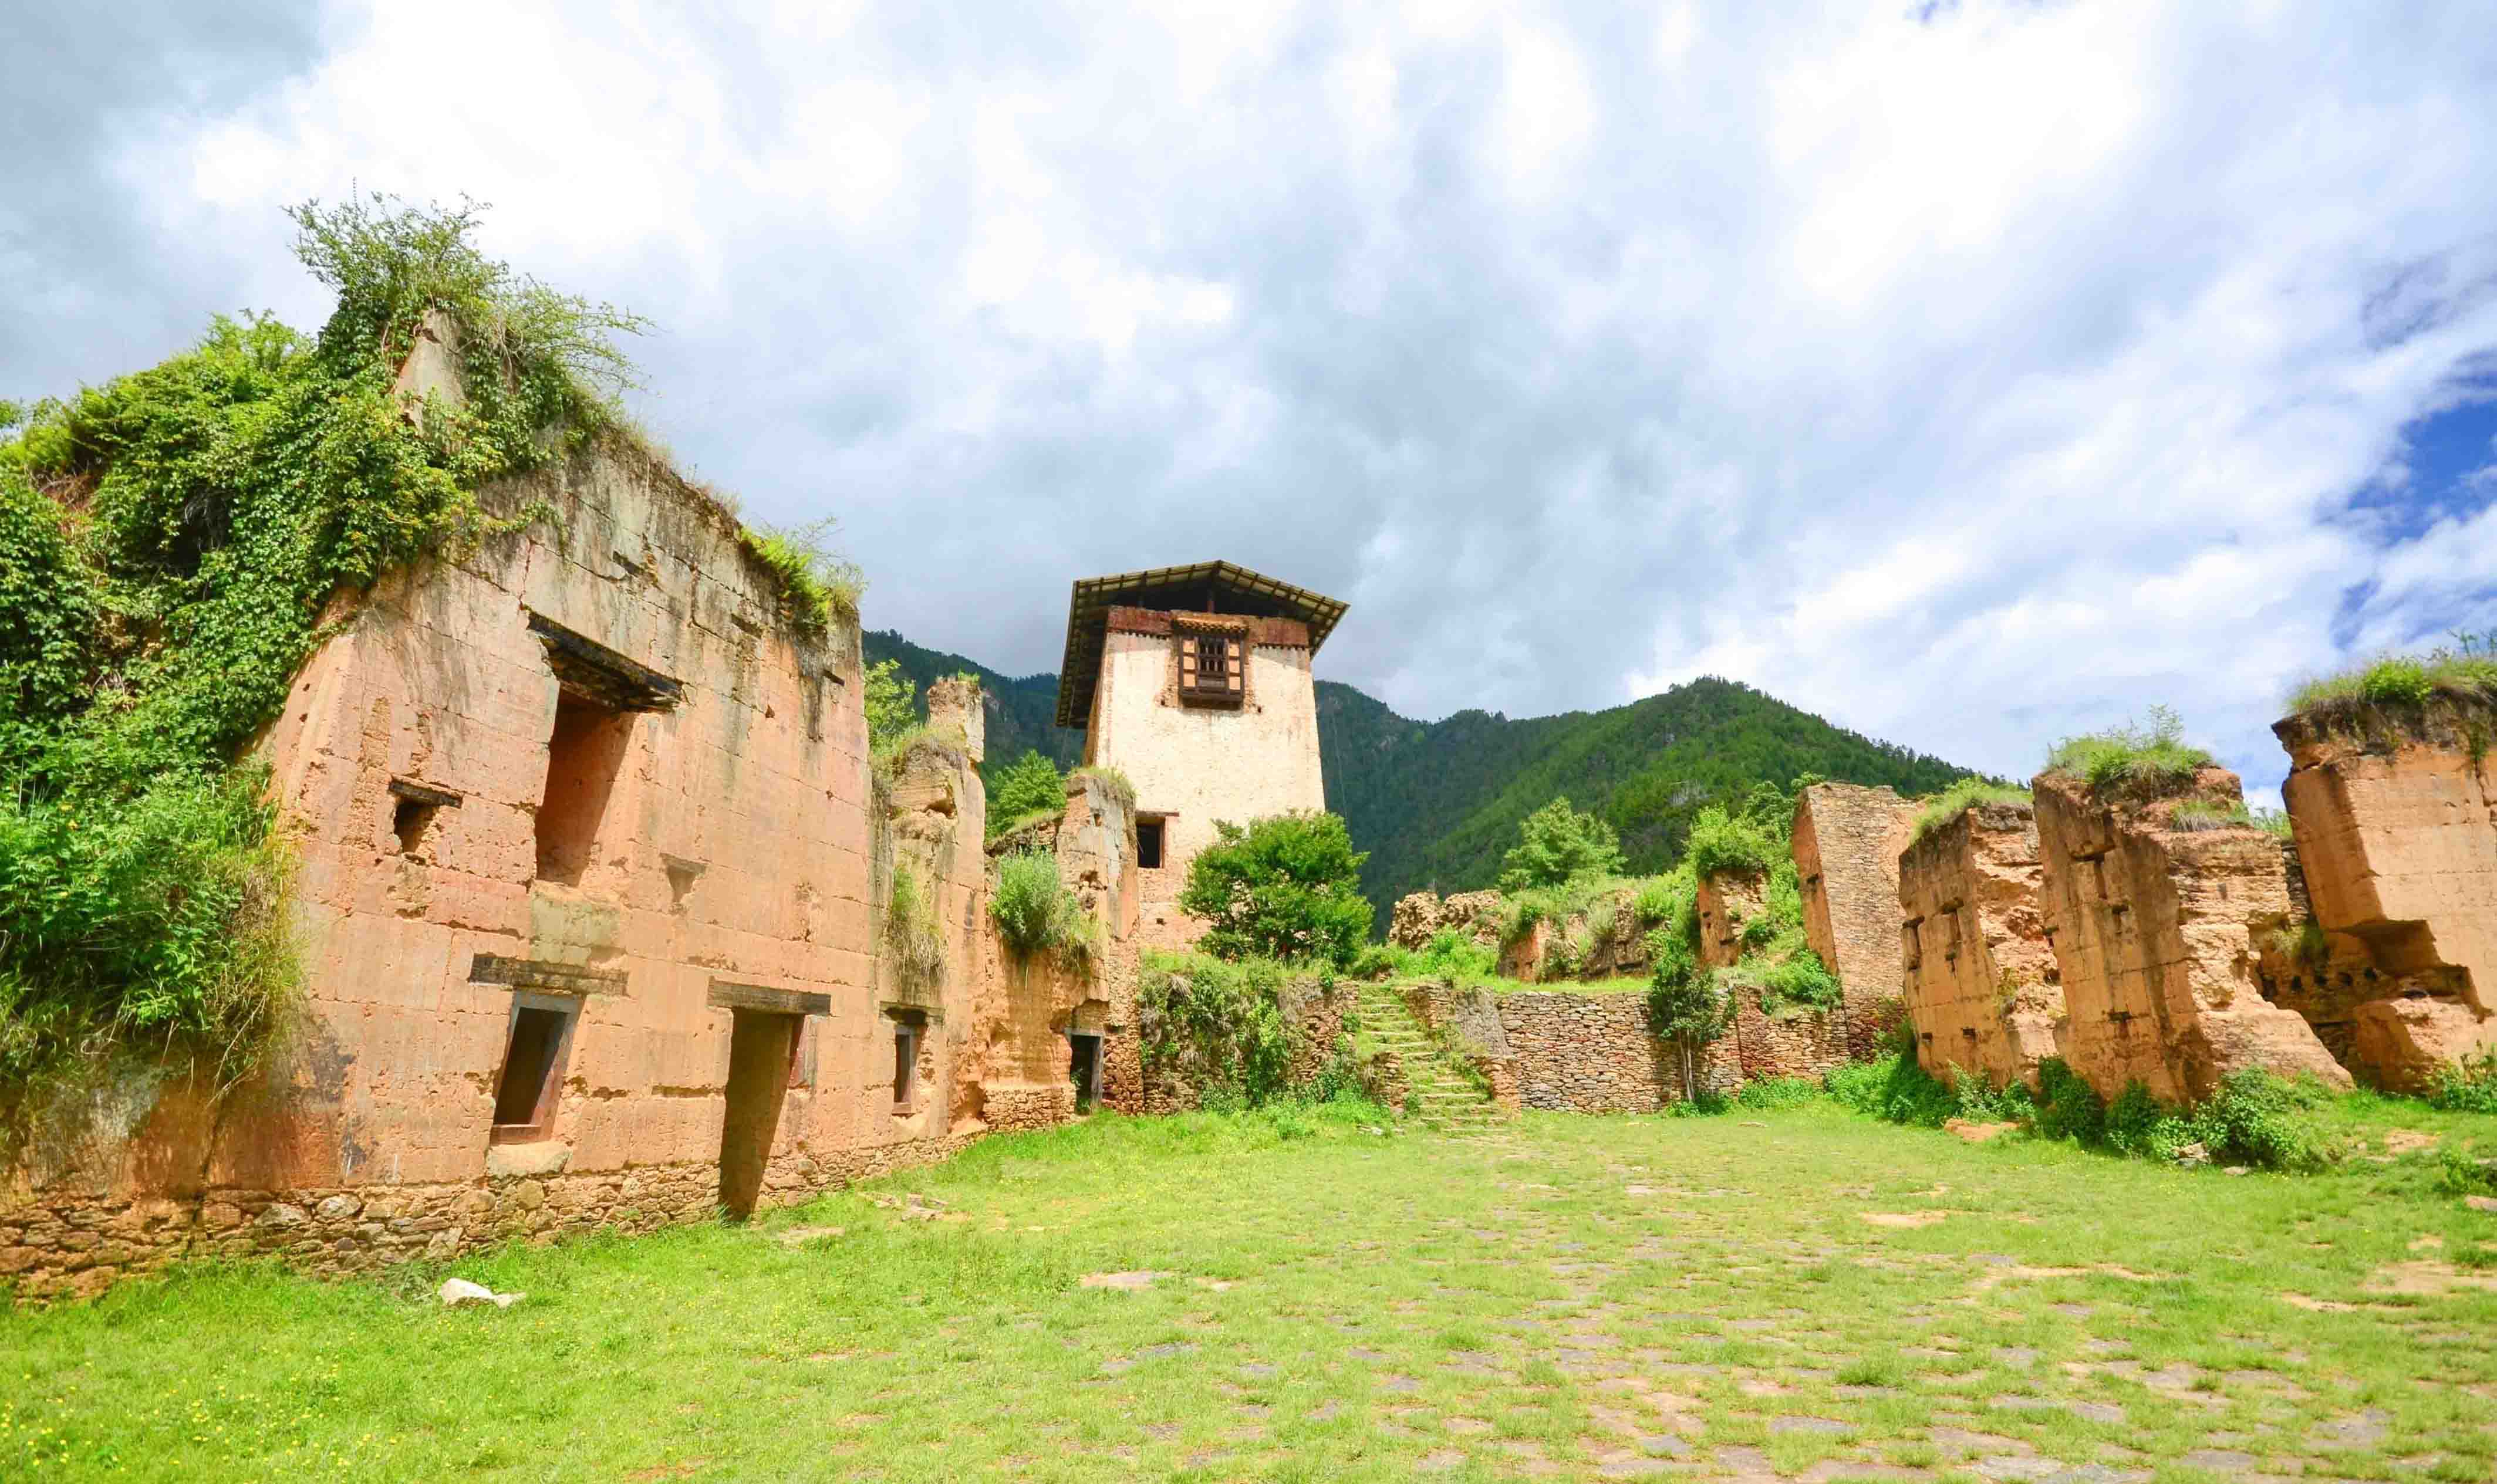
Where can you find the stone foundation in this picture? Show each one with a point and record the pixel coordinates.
(1587, 1054)
(80, 1246)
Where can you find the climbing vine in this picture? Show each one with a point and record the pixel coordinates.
(170, 542)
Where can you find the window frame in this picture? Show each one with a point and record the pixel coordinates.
(550, 1095)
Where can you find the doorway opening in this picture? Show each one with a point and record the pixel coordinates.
(760, 1046)
(1084, 1068)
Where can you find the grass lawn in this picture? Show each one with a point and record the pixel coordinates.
(1805, 1293)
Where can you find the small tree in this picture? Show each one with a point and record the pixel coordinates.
(1027, 785)
(1287, 887)
(1683, 1005)
(891, 705)
(1557, 845)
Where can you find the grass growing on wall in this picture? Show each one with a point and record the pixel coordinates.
(2147, 757)
(1939, 810)
(1218, 1024)
(1037, 913)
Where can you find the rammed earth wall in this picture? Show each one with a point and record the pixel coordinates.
(2397, 831)
(2156, 934)
(1982, 991)
(1847, 844)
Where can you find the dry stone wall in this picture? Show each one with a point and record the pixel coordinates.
(1587, 1053)
(2155, 933)
(2397, 834)
(1983, 994)
(1847, 844)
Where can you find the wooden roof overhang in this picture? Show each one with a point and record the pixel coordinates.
(1208, 587)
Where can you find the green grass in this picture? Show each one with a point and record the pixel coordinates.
(1579, 1291)
(2149, 757)
(1939, 809)
(2464, 672)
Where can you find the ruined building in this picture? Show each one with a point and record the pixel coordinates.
(1194, 683)
(2158, 920)
(607, 917)
(1982, 989)
(2396, 833)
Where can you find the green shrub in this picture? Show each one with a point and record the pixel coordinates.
(2139, 1123)
(1801, 981)
(1769, 1095)
(1287, 887)
(2200, 814)
(2469, 1085)
(2145, 758)
(2068, 1107)
(1036, 912)
(1937, 810)
(1895, 1089)
(1724, 844)
(1028, 788)
(2460, 1173)
(2268, 1122)
(1662, 899)
(1557, 845)
(1684, 1006)
(1218, 1026)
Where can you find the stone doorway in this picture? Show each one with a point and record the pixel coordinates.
(1084, 1068)
(759, 1051)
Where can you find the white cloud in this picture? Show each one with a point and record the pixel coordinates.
(1969, 382)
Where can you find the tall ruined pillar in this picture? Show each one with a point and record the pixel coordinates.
(1847, 844)
(955, 713)
(2397, 825)
(2157, 925)
(1982, 991)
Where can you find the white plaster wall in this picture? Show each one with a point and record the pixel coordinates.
(1196, 765)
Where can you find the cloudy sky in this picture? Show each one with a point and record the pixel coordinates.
(1969, 374)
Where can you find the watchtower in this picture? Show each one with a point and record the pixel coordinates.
(1194, 683)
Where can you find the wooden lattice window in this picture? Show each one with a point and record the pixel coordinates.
(1213, 668)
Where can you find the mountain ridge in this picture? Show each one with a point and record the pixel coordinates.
(1438, 802)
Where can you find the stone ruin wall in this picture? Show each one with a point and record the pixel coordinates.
(2157, 935)
(1847, 840)
(1724, 902)
(1018, 1072)
(729, 873)
(722, 858)
(2396, 835)
(1314, 1015)
(1982, 991)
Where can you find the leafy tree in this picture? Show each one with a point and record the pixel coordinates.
(1683, 1005)
(1557, 845)
(1027, 785)
(1285, 886)
(892, 705)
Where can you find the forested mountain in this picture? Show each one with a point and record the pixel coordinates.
(1437, 804)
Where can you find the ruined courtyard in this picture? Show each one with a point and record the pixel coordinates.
(1794, 1292)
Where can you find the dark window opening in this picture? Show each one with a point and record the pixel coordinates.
(525, 1094)
(681, 877)
(905, 1065)
(1148, 844)
(584, 755)
(1083, 1069)
(410, 819)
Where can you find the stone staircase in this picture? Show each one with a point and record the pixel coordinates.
(1440, 1096)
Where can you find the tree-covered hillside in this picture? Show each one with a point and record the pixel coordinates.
(1435, 804)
